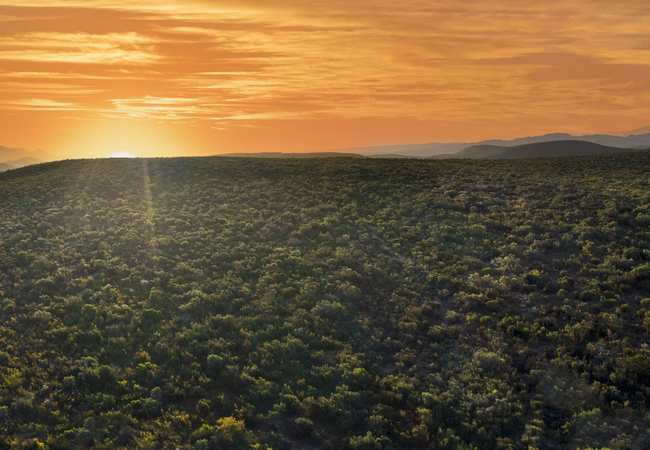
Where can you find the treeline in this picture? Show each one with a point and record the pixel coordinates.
(225, 303)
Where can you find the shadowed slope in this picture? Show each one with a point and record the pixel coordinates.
(535, 150)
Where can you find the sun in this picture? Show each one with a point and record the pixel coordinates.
(122, 155)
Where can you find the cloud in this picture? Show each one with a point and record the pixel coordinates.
(57, 89)
(23, 75)
(39, 105)
(159, 108)
(78, 48)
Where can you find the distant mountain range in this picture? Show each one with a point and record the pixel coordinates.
(642, 130)
(624, 140)
(22, 162)
(12, 158)
(535, 150)
(544, 149)
(555, 144)
(26, 161)
(7, 154)
(294, 155)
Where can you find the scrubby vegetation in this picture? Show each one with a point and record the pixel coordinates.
(222, 303)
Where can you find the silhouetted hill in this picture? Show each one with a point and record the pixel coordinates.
(8, 154)
(640, 131)
(294, 155)
(444, 150)
(635, 132)
(26, 161)
(535, 150)
(480, 151)
(390, 155)
(5, 167)
(412, 150)
(531, 139)
(556, 148)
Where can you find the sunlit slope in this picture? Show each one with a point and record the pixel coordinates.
(327, 302)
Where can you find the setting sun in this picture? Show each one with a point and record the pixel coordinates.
(122, 155)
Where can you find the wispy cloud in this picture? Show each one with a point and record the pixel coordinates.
(158, 108)
(39, 105)
(58, 89)
(77, 48)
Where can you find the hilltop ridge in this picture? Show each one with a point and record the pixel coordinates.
(435, 148)
(534, 150)
(276, 303)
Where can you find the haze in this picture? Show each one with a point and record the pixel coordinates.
(95, 78)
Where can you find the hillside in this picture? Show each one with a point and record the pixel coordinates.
(388, 155)
(4, 166)
(224, 303)
(636, 131)
(557, 148)
(444, 150)
(474, 152)
(294, 155)
(480, 151)
(411, 150)
(536, 150)
(22, 162)
(7, 154)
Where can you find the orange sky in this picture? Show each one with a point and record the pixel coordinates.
(199, 77)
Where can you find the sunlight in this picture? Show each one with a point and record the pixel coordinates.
(123, 139)
(121, 155)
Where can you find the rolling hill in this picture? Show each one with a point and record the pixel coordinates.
(535, 150)
(475, 151)
(389, 155)
(556, 149)
(325, 303)
(635, 132)
(25, 161)
(411, 150)
(8, 154)
(293, 155)
(445, 149)
(5, 166)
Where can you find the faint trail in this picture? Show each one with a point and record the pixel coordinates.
(149, 204)
(85, 178)
(374, 231)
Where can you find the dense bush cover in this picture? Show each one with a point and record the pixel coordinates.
(326, 303)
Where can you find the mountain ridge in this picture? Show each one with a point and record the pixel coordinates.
(437, 148)
(638, 138)
(551, 149)
(293, 155)
(9, 154)
(24, 161)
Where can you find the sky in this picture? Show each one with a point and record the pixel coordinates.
(84, 78)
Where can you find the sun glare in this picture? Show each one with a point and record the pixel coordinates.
(122, 155)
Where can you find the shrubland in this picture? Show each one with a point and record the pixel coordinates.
(217, 303)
